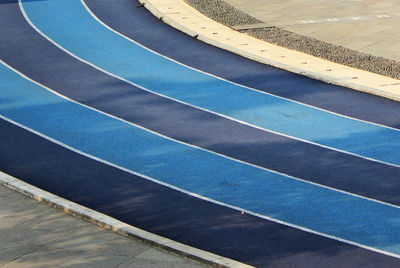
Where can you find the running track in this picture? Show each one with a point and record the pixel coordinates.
(91, 115)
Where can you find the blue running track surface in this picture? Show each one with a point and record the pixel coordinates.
(97, 118)
(93, 42)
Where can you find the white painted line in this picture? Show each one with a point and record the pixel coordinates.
(181, 142)
(128, 230)
(397, 82)
(382, 16)
(332, 20)
(212, 75)
(222, 115)
(75, 208)
(342, 19)
(307, 21)
(116, 225)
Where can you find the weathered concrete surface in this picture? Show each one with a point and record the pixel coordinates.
(35, 235)
(363, 34)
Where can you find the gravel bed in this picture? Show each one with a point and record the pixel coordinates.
(222, 12)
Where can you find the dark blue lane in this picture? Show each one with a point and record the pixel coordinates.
(140, 202)
(169, 213)
(80, 33)
(140, 25)
(197, 171)
(28, 52)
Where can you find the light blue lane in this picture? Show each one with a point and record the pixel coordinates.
(69, 24)
(284, 198)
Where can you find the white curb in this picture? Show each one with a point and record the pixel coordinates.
(183, 17)
(118, 226)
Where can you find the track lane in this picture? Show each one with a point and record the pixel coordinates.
(43, 62)
(209, 175)
(110, 51)
(140, 25)
(173, 214)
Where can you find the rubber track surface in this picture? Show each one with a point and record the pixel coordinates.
(167, 212)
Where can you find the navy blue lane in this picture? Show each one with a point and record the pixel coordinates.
(34, 56)
(132, 199)
(169, 213)
(140, 25)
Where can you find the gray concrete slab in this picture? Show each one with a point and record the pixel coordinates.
(36, 235)
(156, 259)
(360, 25)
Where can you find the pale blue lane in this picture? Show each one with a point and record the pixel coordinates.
(253, 189)
(69, 24)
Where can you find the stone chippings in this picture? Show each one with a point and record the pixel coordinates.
(327, 51)
(222, 12)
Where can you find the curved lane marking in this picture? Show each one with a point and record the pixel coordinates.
(164, 39)
(239, 160)
(218, 77)
(348, 135)
(351, 176)
(207, 110)
(209, 175)
(28, 106)
(196, 195)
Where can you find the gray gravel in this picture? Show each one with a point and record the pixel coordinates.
(222, 12)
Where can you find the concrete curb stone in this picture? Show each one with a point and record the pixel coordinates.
(180, 15)
(275, 35)
(118, 226)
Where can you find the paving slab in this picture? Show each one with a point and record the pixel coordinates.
(36, 235)
(371, 21)
(152, 258)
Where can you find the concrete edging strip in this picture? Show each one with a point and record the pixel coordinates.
(185, 18)
(118, 226)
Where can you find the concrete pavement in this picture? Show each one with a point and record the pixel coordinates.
(358, 34)
(368, 26)
(36, 235)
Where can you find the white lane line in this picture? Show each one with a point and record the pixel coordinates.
(179, 189)
(184, 191)
(206, 110)
(220, 78)
(115, 225)
(240, 210)
(194, 146)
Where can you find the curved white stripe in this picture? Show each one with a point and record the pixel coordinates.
(228, 81)
(200, 108)
(193, 194)
(194, 146)
(196, 195)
